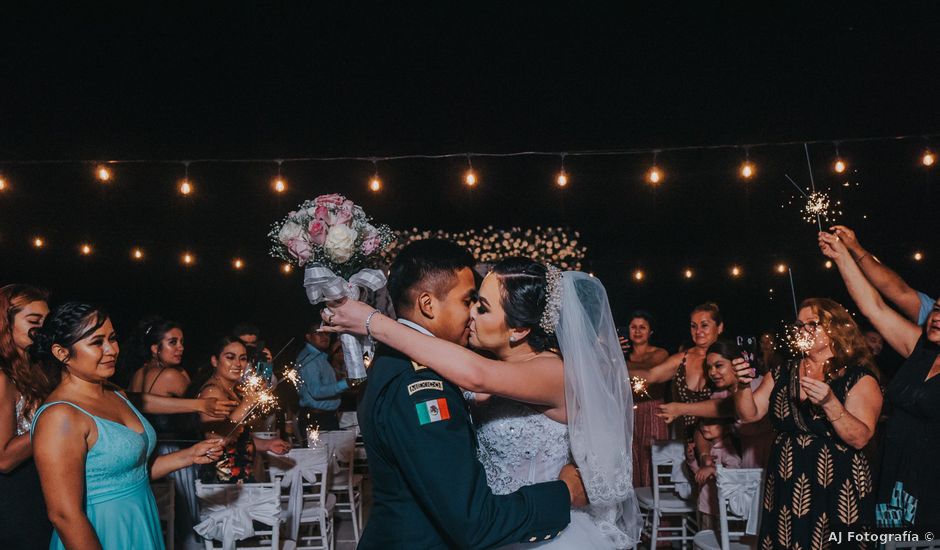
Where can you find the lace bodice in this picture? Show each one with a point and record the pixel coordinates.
(518, 445)
(23, 423)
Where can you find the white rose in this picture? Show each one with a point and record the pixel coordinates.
(289, 231)
(340, 243)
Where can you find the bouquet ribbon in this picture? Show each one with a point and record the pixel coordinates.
(323, 285)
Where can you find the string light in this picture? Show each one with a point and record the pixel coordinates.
(238, 263)
(85, 249)
(828, 264)
(188, 259)
(638, 275)
(279, 184)
(839, 165)
(470, 177)
(735, 271)
(562, 179)
(918, 256)
(103, 173)
(928, 159)
(286, 268)
(654, 175)
(687, 273)
(186, 188)
(747, 170)
(137, 254)
(781, 268)
(3, 184)
(39, 242)
(375, 184)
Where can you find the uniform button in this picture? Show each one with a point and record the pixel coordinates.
(533, 539)
(547, 537)
(558, 533)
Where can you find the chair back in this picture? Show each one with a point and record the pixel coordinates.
(228, 511)
(739, 501)
(667, 461)
(305, 476)
(342, 444)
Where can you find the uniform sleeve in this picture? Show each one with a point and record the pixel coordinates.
(426, 427)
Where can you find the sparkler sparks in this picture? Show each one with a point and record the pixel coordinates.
(820, 207)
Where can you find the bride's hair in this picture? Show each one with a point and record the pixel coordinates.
(524, 297)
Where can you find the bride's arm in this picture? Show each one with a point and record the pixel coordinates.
(540, 381)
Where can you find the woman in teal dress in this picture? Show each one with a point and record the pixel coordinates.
(92, 447)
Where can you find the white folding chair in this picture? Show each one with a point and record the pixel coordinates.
(309, 503)
(663, 498)
(739, 492)
(229, 513)
(346, 484)
(164, 492)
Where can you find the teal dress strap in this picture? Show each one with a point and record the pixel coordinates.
(40, 410)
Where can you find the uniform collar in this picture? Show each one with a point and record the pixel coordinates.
(415, 326)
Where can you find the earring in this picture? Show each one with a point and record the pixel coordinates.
(512, 339)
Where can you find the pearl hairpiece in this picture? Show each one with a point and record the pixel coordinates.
(552, 299)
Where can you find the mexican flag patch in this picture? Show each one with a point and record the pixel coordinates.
(432, 411)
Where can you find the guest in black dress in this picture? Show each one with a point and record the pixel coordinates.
(909, 487)
(23, 386)
(824, 408)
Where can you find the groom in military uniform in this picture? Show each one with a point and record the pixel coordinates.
(430, 492)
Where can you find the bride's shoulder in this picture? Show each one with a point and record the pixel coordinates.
(548, 358)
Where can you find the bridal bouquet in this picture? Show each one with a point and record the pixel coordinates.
(339, 248)
(331, 231)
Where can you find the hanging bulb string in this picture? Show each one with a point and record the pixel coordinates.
(586, 152)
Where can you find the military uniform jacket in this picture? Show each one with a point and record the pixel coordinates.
(430, 490)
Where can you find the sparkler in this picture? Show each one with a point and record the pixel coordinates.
(639, 387)
(264, 402)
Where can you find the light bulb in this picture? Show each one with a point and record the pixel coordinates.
(638, 275)
(238, 263)
(562, 179)
(85, 249)
(188, 259)
(781, 268)
(687, 273)
(928, 159)
(918, 256)
(137, 254)
(735, 271)
(470, 178)
(828, 264)
(839, 166)
(103, 173)
(655, 175)
(185, 187)
(39, 242)
(3, 184)
(280, 185)
(748, 170)
(287, 268)
(375, 184)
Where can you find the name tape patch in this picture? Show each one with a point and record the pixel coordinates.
(432, 411)
(425, 385)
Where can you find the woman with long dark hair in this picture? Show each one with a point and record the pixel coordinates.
(23, 387)
(92, 447)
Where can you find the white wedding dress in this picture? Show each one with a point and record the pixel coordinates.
(520, 446)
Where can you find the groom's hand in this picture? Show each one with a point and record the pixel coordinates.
(572, 478)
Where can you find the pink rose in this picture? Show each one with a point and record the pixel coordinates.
(317, 231)
(300, 249)
(335, 198)
(322, 213)
(371, 244)
(343, 216)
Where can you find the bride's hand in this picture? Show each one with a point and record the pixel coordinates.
(347, 316)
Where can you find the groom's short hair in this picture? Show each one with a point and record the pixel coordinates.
(428, 264)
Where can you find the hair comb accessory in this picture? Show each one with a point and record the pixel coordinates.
(552, 299)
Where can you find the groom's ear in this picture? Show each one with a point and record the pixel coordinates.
(426, 304)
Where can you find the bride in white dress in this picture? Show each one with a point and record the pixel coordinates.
(536, 412)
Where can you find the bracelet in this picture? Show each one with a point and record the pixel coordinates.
(831, 421)
(369, 323)
(469, 395)
(865, 255)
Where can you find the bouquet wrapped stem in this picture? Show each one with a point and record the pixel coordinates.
(339, 247)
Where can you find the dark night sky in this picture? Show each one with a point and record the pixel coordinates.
(228, 82)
